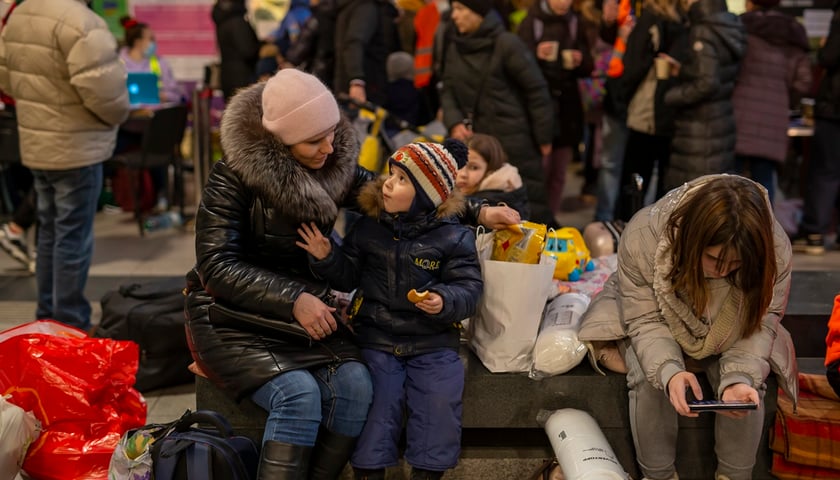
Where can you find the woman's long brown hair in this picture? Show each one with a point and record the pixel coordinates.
(732, 212)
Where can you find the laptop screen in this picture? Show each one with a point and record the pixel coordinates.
(143, 88)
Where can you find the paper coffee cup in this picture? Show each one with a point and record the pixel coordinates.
(663, 68)
(568, 59)
(554, 49)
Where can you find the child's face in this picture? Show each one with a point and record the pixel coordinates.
(559, 7)
(398, 191)
(471, 175)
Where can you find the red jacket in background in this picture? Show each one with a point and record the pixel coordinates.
(832, 340)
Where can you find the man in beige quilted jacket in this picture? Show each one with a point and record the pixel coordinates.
(59, 61)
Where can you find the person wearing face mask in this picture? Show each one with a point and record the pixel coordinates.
(140, 55)
(702, 284)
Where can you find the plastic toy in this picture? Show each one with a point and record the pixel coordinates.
(567, 246)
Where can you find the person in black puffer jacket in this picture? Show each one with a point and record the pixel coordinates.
(289, 159)
(260, 324)
(410, 239)
(704, 135)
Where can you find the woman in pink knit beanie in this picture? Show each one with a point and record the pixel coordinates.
(261, 325)
(289, 158)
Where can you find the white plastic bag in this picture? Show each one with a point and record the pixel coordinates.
(504, 328)
(18, 429)
(558, 349)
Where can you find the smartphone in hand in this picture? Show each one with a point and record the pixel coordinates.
(718, 405)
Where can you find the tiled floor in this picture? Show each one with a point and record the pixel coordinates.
(121, 254)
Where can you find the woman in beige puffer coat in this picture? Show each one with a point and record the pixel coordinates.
(702, 284)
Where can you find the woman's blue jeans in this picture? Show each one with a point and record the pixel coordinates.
(300, 401)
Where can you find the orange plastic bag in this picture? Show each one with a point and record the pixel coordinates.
(79, 388)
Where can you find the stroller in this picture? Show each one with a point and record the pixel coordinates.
(378, 144)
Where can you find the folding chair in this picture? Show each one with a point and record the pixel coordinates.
(161, 146)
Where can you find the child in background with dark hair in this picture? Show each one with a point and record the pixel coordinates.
(409, 239)
(488, 175)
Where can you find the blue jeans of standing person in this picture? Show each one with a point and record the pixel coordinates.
(66, 206)
(431, 385)
(613, 142)
(300, 401)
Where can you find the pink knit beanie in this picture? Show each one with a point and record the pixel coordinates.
(297, 106)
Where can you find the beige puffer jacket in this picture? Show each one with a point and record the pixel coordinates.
(59, 61)
(629, 307)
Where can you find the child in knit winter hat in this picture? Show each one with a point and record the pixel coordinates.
(420, 275)
(431, 168)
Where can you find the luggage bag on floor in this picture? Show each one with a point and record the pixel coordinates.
(213, 452)
(152, 315)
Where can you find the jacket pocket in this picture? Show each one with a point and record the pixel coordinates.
(224, 316)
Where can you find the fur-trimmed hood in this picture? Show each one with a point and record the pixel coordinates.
(269, 169)
(372, 204)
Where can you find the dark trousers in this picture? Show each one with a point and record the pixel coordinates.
(430, 386)
(823, 176)
(642, 152)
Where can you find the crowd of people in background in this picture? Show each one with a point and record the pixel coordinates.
(681, 91)
(646, 99)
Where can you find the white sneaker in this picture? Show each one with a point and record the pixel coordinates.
(15, 245)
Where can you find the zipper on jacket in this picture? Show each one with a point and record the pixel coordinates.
(332, 367)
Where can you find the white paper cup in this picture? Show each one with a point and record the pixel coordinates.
(568, 59)
(554, 50)
(663, 68)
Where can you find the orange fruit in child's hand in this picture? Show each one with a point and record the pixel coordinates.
(414, 296)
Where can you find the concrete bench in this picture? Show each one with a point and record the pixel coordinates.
(502, 441)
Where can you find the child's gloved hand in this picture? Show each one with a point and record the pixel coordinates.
(314, 242)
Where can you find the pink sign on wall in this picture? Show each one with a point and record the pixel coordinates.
(181, 28)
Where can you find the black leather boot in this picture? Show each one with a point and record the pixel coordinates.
(420, 474)
(283, 461)
(330, 455)
(364, 474)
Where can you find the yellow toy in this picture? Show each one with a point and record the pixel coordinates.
(567, 246)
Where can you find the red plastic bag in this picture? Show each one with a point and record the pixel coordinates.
(79, 388)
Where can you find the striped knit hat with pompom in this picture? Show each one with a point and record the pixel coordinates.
(432, 168)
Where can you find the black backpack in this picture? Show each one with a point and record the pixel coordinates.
(215, 453)
(152, 315)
